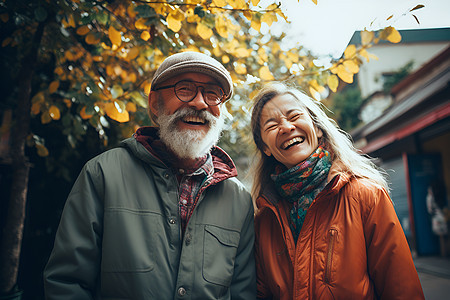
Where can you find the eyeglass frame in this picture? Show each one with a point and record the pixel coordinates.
(196, 91)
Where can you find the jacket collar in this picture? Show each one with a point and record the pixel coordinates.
(337, 178)
(146, 138)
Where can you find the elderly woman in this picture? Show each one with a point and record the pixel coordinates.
(325, 225)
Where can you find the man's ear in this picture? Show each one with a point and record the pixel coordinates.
(153, 102)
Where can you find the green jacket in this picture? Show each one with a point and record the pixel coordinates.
(120, 238)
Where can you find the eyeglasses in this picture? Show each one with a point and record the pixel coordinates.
(186, 91)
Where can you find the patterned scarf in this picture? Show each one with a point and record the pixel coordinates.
(301, 184)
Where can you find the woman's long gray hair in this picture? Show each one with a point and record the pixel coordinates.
(336, 141)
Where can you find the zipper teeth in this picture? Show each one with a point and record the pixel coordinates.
(330, 256)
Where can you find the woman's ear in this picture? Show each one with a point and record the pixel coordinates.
(319, 132)
(266, 151)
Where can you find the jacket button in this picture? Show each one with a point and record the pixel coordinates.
(172, 221)
(187, 238)
(166, 175)
(181, 291)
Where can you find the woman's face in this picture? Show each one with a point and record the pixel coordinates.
(288, 131)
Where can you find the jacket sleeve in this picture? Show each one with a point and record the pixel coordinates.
(263, 291)
(389, 258)
(243, 284)
(74, 264)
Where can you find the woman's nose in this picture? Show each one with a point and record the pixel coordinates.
(286, 126)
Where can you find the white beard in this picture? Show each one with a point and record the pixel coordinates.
(187, 143)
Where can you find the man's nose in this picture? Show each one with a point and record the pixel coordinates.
(199, 102)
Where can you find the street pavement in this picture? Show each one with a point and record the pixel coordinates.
(434, 275)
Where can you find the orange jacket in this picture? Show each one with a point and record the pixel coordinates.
(351, 246)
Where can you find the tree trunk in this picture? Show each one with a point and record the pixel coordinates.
(13, 230)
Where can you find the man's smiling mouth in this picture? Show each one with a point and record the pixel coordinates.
(295, 141)
(193, 120)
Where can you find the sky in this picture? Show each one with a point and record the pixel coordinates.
(326, 28)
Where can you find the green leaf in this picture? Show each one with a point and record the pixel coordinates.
(145, 11)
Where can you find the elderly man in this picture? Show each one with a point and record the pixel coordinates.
(162, 216)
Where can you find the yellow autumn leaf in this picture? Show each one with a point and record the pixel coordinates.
(84, 115)
(145, 35)
(351, 65)
(54, 112)
(70, 22)
(112, 112)
(173, 23)
(133, 53)
(350, 51)
(131, 12)
(333, 82)
(83, 30)
(225, 59)
(248, 15)
(237, 4)
(315, 2)
(256, 24)
(314, 93)
(114, 36)
(240, 69)
(242, 52)
(344, 74)
(394, 36)
(91, 39)
(36, 108)
(204, 31)
(316, 85)
(262, 54)
(220, 3)
(68, 103)
(265, 74)
(367, 37)
(42, 151)
(131, 107)
(45, 117)
(59, 70)
(222, 26)
(140, 24)
(53, 86)
(38, 98)
(253, 94)
(269, 18)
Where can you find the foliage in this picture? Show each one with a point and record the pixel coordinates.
(345, 106)
(96, 58)
(397, 76)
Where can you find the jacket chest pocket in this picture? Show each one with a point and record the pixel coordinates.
(128, 241)
(219, 253)
(332, 240)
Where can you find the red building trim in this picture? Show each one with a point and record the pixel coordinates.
(407, 130)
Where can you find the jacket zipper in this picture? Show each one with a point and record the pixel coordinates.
(333, 233)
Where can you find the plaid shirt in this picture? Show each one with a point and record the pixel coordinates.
(190, 184)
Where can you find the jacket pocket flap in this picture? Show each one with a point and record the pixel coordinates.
(224, 236)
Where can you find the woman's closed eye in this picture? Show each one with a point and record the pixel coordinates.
(270, 126)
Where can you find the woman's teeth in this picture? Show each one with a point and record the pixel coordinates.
(296, 140)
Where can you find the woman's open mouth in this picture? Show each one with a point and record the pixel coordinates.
(292, 142)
